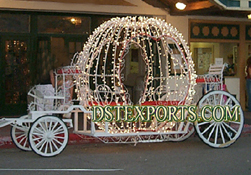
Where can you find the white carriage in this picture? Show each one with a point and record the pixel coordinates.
(102, 75)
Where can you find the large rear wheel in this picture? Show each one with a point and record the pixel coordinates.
(217, 133)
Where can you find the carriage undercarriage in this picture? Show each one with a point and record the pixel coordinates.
(47, 135)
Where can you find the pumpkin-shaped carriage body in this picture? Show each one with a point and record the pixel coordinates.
(136, 61)
(131, 54)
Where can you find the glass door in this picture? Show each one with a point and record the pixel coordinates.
(15, 75)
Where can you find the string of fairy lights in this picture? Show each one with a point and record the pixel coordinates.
(169, 68)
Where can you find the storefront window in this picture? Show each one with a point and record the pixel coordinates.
(64, 24)
(205, 54)
(17, 71)
(16, 23)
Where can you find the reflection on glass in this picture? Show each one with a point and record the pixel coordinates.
(17, 72)
(18, 23)
(61, 24)
(54, 52)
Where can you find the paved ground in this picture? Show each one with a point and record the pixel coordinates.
(189, 157)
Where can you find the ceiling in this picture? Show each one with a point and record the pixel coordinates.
(96, 2)
(204, 7)
(227, 8)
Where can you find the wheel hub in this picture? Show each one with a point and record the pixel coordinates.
(49, 136)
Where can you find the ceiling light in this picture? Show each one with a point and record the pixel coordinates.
(180, 5)
(249, 16)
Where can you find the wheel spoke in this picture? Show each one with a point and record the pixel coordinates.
(221, 99)
(38, 130)
(233, 106)
(50, 126)
(46, 147)
(25, 142)
(20, 136)
(55, 145)
(54, 126)
(216, 134)
(51, 147)
(38, 134)
(46, 125)
(59, 132)
(226, 132)
(37, 138)
(222, 136)
(60, 143)
(41, 126)
(210, 134)
(39, 143)
(207, 128)
(43, 144)
(215, 103)
(19, 132)
(59, 129)
(230, 127)
(23, 138)
(228, 100)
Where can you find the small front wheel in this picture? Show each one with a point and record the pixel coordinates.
(48, 136)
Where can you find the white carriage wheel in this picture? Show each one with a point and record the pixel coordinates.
(184, 136)
(19, 135)
(48, 136)
(214, 133)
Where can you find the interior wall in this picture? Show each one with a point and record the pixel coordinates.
(226, 49)
(180, 23)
